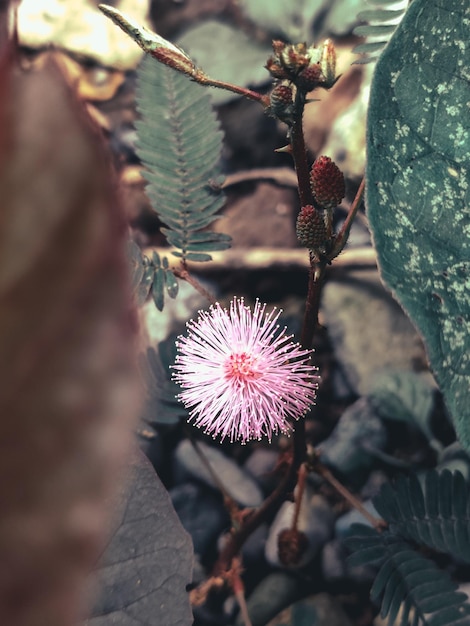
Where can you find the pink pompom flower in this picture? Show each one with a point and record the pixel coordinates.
(242, 376)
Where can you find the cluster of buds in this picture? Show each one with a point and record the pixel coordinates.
(313, 226)
(306, 68)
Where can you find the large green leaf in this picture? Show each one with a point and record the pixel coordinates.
(418, 185)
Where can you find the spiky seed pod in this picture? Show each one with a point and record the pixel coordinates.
(291, 546)
(281, 95)
(281, 102)
(309, 78)
(327, 182)
(275, 68)
(310, 228)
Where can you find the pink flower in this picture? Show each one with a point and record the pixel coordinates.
(242, 376)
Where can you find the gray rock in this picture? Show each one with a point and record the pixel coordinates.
(357, 431)
(369, 330)
(335, 565)
(261, 465)
(343, 524)
(273, 593)
(238, 483)
(201, 512)
(333, 559)
(315, 521)
(253, 548)
(319, 610)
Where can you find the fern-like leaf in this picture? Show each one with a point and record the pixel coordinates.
(381, 25)
(180, 142)
(437, 515)
(408, 582)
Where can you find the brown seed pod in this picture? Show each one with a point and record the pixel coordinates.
(327, 182)
(309, 78)
(310, 228)
(281, 102)
(292, 544)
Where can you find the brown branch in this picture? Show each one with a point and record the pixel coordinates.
(183, 273)
(377, 523)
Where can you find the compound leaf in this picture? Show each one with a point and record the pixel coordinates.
(179, 142)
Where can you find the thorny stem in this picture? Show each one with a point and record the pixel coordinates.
(299, 153)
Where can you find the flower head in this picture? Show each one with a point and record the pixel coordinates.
(242, 376)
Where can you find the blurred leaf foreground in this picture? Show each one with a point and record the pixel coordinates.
(67, 387)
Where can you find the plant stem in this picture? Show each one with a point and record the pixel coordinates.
(299, 494)
(378, 524)
(342, 236)
(183, 273)
(299, 154)
(316, 276)
(202, 79)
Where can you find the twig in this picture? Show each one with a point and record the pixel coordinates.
(184, 274)
(342, 236)
(377, 523)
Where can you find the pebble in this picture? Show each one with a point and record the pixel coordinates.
(368, 330)
(238, 483)
(345, 449)
(201, 513)
(261, 465)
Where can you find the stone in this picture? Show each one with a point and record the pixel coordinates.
(369, 330)
(238, 484)
(201, 513)
(261, 465)
(358, 430)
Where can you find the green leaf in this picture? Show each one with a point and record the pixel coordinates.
(406, 580)
(378, 28)
(143, 289)
(158, 287)
(417, 186)
(435, 516)
(171, 284)
(179, 142)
